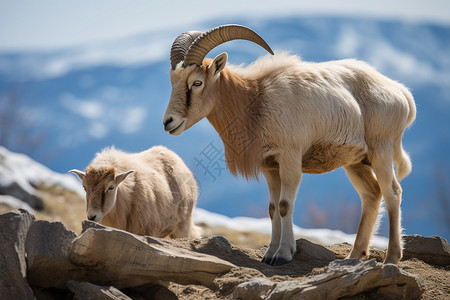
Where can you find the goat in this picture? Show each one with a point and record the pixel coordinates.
(148, 193)
(283, 117)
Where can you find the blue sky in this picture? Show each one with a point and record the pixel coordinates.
(52, 24)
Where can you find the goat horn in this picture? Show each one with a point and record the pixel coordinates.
(219, 35)
(181, 45)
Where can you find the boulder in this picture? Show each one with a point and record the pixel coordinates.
(343, 278)
(21, 190)
(47, 246)
(310, 251)
(14, 170)
(254, 289)
(14, 227)
(90, 291)
(433, 250)
(86, 224)
(126, 260)
(14, 203)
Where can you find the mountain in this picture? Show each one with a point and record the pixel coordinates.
(61, 107)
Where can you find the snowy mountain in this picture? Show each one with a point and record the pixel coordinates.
(73, 102)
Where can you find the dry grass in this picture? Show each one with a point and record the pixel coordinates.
(63, 206)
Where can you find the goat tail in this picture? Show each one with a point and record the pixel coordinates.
(402, 161)
(401, 158)
(412, 106)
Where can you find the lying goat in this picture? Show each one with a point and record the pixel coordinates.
(148, 193)
(283, 117)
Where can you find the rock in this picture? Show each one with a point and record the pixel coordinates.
(150, 291)
(220, 242)
(310, 251)
(89, 291)
(13, 178)
(126, 260)
(47, 247)
(433, 250)
(254, 289)
(20, 190)
(86, 224)
(346, 278)
(14, 203)
(14, 227)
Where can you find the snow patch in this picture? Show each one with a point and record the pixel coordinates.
(263, 225)
(15, 203)
(29, 173)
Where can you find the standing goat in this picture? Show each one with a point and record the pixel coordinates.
(284, 117)
(148, 193)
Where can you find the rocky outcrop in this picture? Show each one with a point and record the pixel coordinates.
(126, 260)
(343, 278)
(13, 232)
(20, 190)
(13, 183)
(45, 260)
(101, 260)
(87, 290)
(21, 177)
(48, 250)
(313, 251)
(433, 250)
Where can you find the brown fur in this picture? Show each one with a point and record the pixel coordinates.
(284, 208)
(271, 210)
(237, 122)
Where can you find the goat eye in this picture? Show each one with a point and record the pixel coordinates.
(197, 83)
(111, 188)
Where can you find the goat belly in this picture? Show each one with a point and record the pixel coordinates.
(326, 157)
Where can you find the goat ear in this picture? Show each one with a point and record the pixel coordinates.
(79, 173)
(218, 64)
(121, 177)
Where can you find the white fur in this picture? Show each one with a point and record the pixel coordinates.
(304, 117)
(154, 192)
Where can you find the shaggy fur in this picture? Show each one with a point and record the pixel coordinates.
(156, 199)
(284, 117)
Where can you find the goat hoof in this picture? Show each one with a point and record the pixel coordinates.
(278, 261)
(267, 260)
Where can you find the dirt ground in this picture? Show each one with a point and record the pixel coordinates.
(435, 279)
(244, 249)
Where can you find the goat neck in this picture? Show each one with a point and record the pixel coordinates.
(236, 116)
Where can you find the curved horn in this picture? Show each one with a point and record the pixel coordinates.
(181, 45)
(219, 35)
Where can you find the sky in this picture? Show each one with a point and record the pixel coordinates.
(55, 24)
